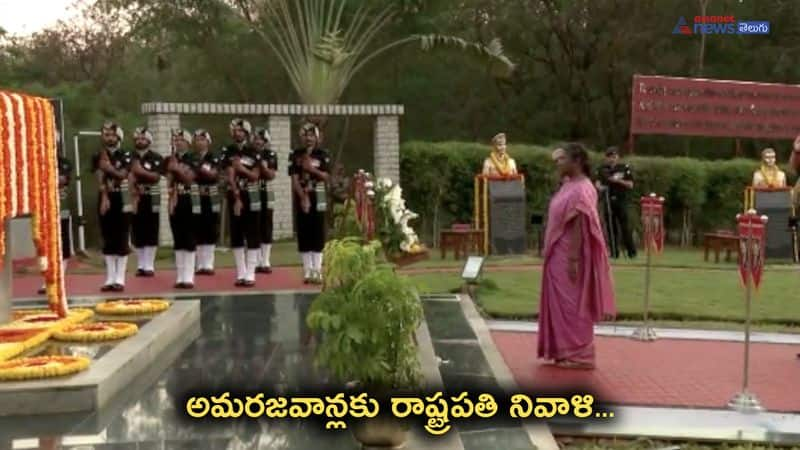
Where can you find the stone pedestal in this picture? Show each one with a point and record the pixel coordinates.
(507, 217)
(777, 205)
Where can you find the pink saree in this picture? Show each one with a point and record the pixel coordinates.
(568, 309)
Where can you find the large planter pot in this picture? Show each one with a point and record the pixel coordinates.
(381, 433)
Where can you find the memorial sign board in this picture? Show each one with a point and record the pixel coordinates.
(722, 108)
(507, 217)
(776, 205)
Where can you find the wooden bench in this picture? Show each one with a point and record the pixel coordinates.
(461, 239)
(719, 241)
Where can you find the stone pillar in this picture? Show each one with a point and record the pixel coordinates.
(280, 130)
(6, 276)
(161, 126)
(387, 147)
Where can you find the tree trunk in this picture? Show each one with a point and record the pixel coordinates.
(686, 229)
(701, 58)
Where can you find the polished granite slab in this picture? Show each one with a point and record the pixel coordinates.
(465, 368)
(257, 342)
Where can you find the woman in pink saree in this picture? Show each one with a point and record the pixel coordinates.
(577, 290)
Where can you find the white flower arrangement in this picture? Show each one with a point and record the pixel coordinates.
(390, 198)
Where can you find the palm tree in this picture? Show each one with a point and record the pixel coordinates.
(321, 53)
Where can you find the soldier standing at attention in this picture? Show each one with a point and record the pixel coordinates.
(207, 177)
(184, 204)
(111, 165)
(145, 173)
(309, 171)
(616, 179)
(269, 167)
(242, 173)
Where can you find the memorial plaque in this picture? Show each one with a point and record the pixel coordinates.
(507, 217)
(776, 206)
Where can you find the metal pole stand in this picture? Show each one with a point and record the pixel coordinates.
(746, 401)
(646, 332)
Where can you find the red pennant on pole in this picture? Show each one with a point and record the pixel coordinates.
(752, 240)
(653, 222)
(365, 209)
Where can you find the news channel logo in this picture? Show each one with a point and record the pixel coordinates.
(719, 25)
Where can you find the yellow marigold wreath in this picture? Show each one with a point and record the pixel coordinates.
(45, 319)
(132, 306)
(10, 350)
(97, 331)
(41, 367)
(14, 341)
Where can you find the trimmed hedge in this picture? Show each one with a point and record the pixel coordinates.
(701, 195)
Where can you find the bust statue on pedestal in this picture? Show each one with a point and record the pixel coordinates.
(770, 195)
(499, 164)
(769, 176)
(499, 210)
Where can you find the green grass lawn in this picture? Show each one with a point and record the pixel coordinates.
(285, 254)
(678, 297)
(686, 291)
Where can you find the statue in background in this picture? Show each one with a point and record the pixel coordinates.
(499, 164)
(769, 176)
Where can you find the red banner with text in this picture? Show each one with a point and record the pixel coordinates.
(721, 108)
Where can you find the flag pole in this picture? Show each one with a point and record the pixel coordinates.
(645, 332)
(745, 401)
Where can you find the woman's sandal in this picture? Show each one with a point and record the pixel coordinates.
(566, 364)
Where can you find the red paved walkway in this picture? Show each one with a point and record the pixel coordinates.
(288, 278)
(664, 373)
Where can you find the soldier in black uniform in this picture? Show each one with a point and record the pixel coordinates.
(146, 171)
(111, 165)
(184, 205)
(242, 173)
(64, 179)
(308, 168)
(207, 177)
(269, 167)
(615, 179)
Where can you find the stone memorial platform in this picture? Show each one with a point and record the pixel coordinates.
(162, 338)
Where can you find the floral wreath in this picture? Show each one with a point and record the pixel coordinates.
(97, 331)
(10, 350)
(14, 341)
(45, 319)
(132, 306)
(41, 367)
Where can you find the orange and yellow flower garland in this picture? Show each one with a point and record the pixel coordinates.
(29, 182)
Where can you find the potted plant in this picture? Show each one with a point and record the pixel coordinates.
(367, 316)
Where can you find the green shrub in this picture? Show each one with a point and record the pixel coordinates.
(701, 195)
